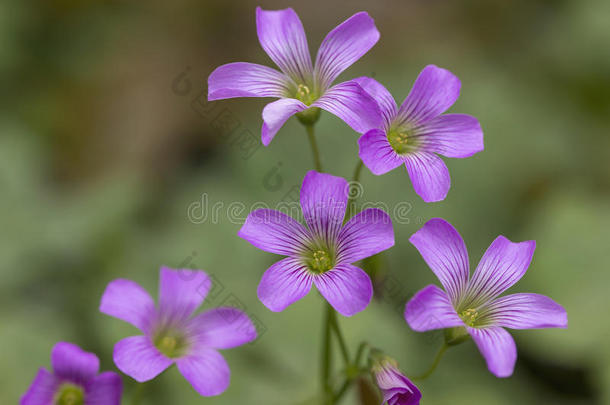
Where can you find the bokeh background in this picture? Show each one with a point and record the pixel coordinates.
(112, 163)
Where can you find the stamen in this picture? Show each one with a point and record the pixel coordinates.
(469, 316)
(70, 394)
(400, 142)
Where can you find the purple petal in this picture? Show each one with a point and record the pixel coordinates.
(275, 114)
(352, 104)
(527, 311)
(396, 388)
(274, 232)
(502, 265)
(347, 288)
(126, 300)
(324, 200)
(71, 362)
(434, 91)
(498, 348)
(206, 370)
(452, 135)
(105, 389)
(223, 328)
(243, 79)
(444, 251)
(42, 390)
(181, 291)
(138, 358)
(431, 309)
(429, 175)
(381, 95)
(343, 46)
(284, 283)
(365, 234)
(377, 154)
(281, 35)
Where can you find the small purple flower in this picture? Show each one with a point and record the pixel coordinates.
(172, 334)
(395, 387)
(302, 88)
(414, 133)
(472, 303)
(322, 252)
(74, 380)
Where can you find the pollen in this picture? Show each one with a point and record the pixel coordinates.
(171, 345)
(469, 316)
(399, 141)
(305, 94)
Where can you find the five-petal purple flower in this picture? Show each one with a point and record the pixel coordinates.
(414, 133)
(74, 380)
(395, 387)
(322, 252)
(172, 334)
(472, 302)
(303, 88)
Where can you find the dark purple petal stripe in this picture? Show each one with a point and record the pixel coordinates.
(526, 311)
(243, 79)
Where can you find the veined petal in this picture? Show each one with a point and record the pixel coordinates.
(284, 283)
(274, 232)
(347, 288)
(365, 234)
(206, 370)
(434, 91)
(71, 362)
(526, 311)
(497, 347)
(376, 152)
(396, 388)
(352, 104)
(381, 95)
(451, 135)
(431, 309)
(243, 79)
(105, 389)
(42, 390)
(181, 292)
(429, 175)
(126, 300)
(223, 328)
(444, 251)
(324, 200)
(275, 114)
(281, 35)
(343, 46)
(138, 358)
(502, 265)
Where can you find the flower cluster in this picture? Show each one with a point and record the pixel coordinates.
(323, 251)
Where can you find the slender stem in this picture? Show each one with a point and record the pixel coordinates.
(339, 335)
(342, 390)
(351, 202)
(326, 352)
(359, 353)
(437, 360)
(358, 170)
(314, 147)
(137, 394)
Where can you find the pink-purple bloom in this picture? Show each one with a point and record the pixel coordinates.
(414, 133)
(74, 380)
(172, 333)
(322, 252)
(395, 387)
(303, 88)
(472, 302)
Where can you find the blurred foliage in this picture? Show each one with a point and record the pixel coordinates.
(101, 159)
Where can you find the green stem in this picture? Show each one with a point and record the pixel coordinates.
(351, 202)
(342, 390)
(326, 359)
(360, 352)
(314, 147)
(437, 360)
(339, 335)
(358, 170)
(137, 394)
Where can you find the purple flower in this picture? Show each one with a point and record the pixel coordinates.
(172, 334)
(302, 88)
(414, 133)
(322, 252)
(472, 303)
(395, 387)
(74, 380)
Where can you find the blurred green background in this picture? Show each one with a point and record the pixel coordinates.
(105, 154)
